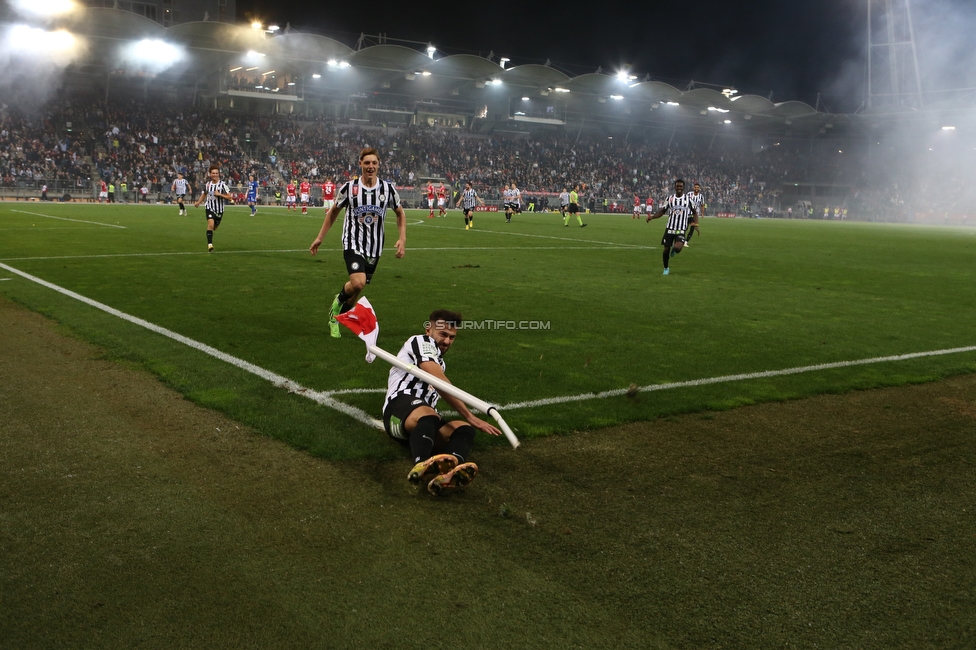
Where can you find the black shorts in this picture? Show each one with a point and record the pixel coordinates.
(216, 217)
(563, 208)
(509, 206)
(179, 197)
(573, 208)
(397, 412)
(671, 236)
(468, 211)
(356, 263)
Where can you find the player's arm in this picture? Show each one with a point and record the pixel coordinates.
(330, 218)
(401, 243)
(658, 214)
(203, 197)
(459, 406)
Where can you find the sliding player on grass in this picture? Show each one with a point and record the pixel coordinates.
(410, 416)
(366, 200)
(678, 207)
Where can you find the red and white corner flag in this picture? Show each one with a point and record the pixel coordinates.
(361, 319)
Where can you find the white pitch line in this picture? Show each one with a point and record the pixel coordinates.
(730, 378)
(696, 382)
(5, 279)
(276, 380)
(525, 234)
(47, 216)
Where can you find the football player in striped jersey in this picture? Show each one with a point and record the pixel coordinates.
(366, 200)
(679, 208)
(410, 417)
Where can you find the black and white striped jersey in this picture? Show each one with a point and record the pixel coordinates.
(468, 198)
(697, 202)
(180, 186)
(416, 350)
(679, 209)
(215, 204)
(362, 229)
(564, 198)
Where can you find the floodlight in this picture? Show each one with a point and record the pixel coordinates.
(265, 74)
(273, 28)
(256, 25)
(291, 83)
(948, 128)
(250, 69)
(495, 82)
(430, 51)
(503, 61)
(332, 63)
(561, 90)
(45, 8)
(718, 110)
(240, 67)
(622, 75)
(618, 97)
(672, 103)
(728, 121)
(153, 53)
(425, 73)
(344, 64)
(316, 76)
(525, 99)
(33, 40)
(253, 56)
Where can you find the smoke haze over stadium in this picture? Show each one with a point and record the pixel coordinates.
(793, 49)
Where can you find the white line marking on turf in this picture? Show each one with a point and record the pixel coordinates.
(5, 279)
(525, 234)
(305, 250)
(277, 380)
(730, 378)
(47, 216)
(696, 382)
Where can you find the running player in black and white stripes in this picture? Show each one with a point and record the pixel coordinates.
(469, 197)
(410, 416)
(215, 193)
(679, 208)
(180, 188)
(698, 203)
(366, 201)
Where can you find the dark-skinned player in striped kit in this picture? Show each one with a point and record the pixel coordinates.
(679, 208)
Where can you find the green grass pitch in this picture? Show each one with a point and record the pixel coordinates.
(747, 296)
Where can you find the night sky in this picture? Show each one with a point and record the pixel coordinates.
(792, 48)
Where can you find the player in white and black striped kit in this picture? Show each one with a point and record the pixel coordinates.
(366, 201)
(469, 197)
(410, 416)
(215, 193)
(679, 208)
(698, 202)
(180, 188)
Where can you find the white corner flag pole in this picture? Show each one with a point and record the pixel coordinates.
(449, 389)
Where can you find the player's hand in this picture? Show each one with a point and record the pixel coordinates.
(314, 248)
(400, 248)
(481, 425)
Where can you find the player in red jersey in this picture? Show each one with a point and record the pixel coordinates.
(637, 208)
(442, 200)
(328, 194)
(103, 192)
(305, 189)
(290, 195)
(649, 205)
(430, 199)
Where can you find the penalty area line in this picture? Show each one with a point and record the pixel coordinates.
(47, 216)
(275, 379)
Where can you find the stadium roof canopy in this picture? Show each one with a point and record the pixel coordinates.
(399, 75)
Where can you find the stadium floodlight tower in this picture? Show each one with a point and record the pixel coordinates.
(893, 76)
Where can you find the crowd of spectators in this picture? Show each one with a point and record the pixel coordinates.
(145, 145)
